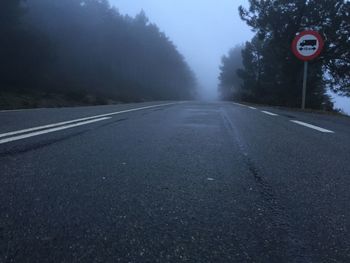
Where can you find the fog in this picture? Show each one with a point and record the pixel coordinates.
(203, 31)
(86, 53)
(90, 52)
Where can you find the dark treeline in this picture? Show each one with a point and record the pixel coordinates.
(230, 82)
(85, 52)
(265, 69)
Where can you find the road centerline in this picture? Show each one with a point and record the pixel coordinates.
(78, 120)
(238, 104)
(317, 128)
(269, 113)
(37, 133)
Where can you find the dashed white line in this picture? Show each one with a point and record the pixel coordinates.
(269, 113)
(28, 135)
(252, 108)
(312, 126)
(79, 120)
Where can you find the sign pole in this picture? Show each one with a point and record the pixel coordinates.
(304, 85)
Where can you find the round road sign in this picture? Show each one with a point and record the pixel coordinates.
(307, 45)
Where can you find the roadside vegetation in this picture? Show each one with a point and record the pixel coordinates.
(265, 71)
(77, 52)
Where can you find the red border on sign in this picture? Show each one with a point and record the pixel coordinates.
(297, 38)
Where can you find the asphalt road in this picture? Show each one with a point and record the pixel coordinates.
(177, 182)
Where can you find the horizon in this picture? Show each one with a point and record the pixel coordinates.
(202, 49)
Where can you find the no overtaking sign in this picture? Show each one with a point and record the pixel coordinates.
(307, 46)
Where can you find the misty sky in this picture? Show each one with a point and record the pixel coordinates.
(203, 31)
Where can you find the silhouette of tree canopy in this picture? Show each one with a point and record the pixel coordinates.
(88, 51)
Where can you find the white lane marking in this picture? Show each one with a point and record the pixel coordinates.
(239, 104)
(28, 135)
(269, 113)
(252, 108)
(9, 110)
(312, 126)
(78, 120)
(32, 109)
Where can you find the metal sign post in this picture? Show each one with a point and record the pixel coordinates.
(304, 85)
(307, 46)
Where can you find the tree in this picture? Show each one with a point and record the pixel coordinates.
(230, 82)
(251, 76)
(276, 23)
(24, 51)
(10, 40)
(336, 29)
(86, 51)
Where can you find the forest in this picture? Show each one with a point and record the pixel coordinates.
(265, 71)
(84, 52)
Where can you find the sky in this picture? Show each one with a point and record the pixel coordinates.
(203, 31)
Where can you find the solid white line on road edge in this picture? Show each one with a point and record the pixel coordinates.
(312, 126)
(269, 113)
(79, 120)
(28, 135)
(252, 108)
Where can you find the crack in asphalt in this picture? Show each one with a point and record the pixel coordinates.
(295, 246)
